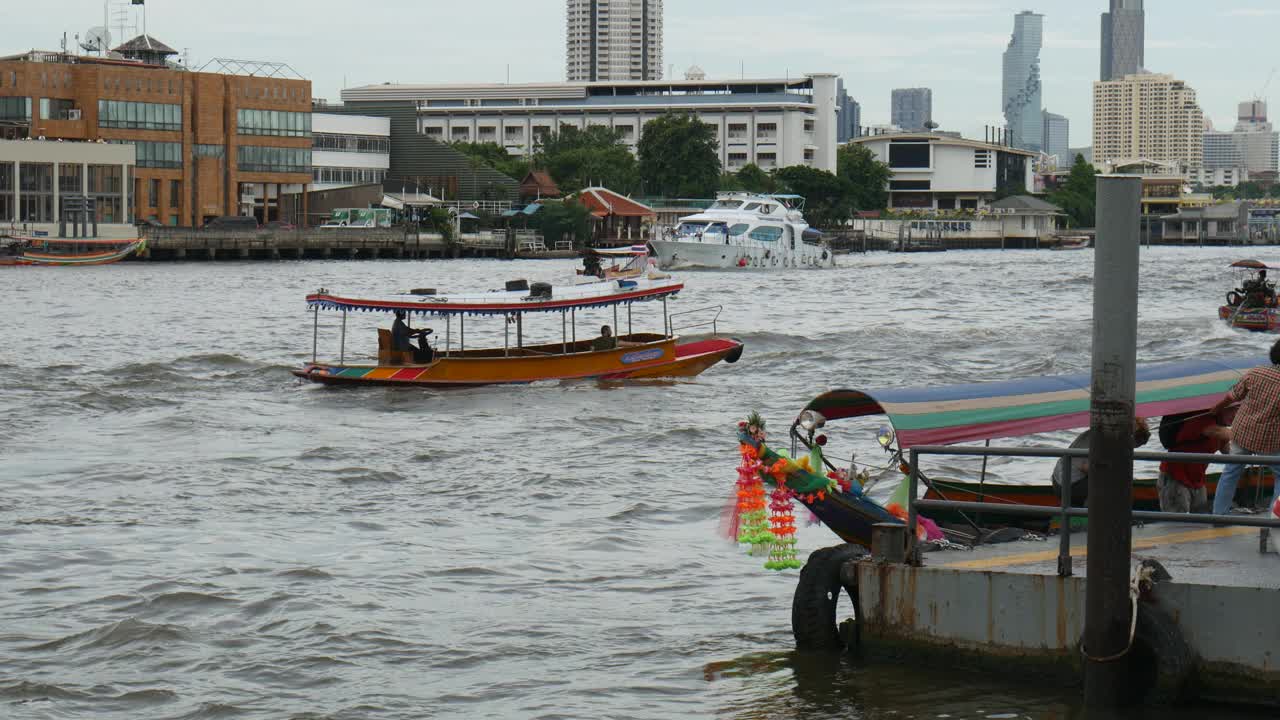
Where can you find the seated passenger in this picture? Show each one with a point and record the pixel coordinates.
(606, 341)
(401, 334)
(1076, 478)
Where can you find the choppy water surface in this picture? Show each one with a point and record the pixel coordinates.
(187, 532)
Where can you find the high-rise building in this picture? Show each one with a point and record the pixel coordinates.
(1123, 39)
(849, 125)
(1253, 145)
(613, 40)
(1057, 137)
(1147, 117)
(912, 108)
(1021, 86)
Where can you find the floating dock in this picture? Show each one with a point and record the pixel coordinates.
(1006, 602)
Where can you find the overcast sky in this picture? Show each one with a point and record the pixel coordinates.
(1225, 49)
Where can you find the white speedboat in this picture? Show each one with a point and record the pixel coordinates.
(744, 230)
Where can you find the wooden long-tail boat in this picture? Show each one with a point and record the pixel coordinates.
(1252, 305)
(23, 250)
(452, 363)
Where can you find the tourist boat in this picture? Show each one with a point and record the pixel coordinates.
(625, 263)
(24, 250)
(744, 230)
(1251, 303)
(981, 412)
(454, 363)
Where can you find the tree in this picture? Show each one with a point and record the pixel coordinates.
(560, 219)
(753, 179)
(495, 156)
(827, 196)
(578, 158)
(868, 178)
(1078, 195)
(679, 157)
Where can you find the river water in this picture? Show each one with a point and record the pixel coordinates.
(188, 532)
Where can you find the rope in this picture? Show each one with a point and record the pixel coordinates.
(1142, 574)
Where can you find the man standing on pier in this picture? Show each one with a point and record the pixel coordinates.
(1256, 429)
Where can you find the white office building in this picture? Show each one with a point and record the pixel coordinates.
(771, 122)
(349, 150)
(1147, 117)
(941, 172)
(613, 40)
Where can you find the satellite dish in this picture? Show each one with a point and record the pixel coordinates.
(97, 39)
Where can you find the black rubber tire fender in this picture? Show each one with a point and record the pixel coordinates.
(1234, 298)
(1161, 663)
(813, 608)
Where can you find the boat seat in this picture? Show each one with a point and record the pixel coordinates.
(387, 356)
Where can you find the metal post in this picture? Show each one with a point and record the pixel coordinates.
(519, 330)
(615, 320)
(448, 334)
(1064, 525)
(1115, 329)
(913, 486)
(564, 331)
(342, 352)
(666, 320)
(982, 489)
(462, 333)
(629, 330)
(315, 332)
(506, 335)
(573, 322)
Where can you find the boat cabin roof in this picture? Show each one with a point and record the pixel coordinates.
(502, 302)
(953, 414)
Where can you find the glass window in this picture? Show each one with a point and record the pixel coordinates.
(765, 233)
(44, 108)
(154, 200)
(70, 179)
(738, 229)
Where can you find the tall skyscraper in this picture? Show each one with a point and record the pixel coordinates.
(1123, 39)
(1147, 117)
(911, 108)
(849, 124)
(613, 40)
(1021, 86)
(1057, 137)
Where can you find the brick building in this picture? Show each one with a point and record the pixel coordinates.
(207, 144)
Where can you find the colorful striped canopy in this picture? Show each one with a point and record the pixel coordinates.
(965, 413)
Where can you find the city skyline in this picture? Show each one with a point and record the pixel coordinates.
(874, 45)
(1021, 89)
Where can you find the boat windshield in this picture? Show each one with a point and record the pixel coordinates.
(689, 229)
(726, 205)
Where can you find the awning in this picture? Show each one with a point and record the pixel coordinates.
(393, 203)
(532, 208)
(1254, 265)
(983, 411)
(467, 216)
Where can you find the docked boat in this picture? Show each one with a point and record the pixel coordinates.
(958, 414)
(747, 231)
(1251, 303)
(452, 362)
(24, 250)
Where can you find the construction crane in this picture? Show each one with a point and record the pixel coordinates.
(1261, 93)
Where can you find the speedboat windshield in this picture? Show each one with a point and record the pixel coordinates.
(726, 205)
(691, 228)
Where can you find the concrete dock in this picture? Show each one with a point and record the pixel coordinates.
(1007, 601)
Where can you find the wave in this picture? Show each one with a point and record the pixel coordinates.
(124, 632)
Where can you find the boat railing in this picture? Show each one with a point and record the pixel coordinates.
(1065, 511)
(702, 311)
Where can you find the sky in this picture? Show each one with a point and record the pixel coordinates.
(1224, 49)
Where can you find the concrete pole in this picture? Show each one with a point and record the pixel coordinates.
(1115, 331)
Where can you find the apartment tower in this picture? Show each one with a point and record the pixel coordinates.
(1123, 39)
(912, 108)
(1147, 117)
(1021, 84)
(613, 40)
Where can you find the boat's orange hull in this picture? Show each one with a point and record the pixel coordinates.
(648, 360)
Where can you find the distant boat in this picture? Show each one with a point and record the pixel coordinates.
(745, 231)
(1252, 306)
(1071, 243)
(25, 250)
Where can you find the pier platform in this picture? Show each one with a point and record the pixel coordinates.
(1005, 607)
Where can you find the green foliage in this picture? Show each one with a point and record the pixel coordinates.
(496, 157)
(441, 222)
(828, 197)
(679, 157)
(868, 178)
(560, 220)
(754, 179)
(1077, 196)
(578, 158)
(729, 182)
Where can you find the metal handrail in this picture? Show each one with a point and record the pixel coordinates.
(712, 322)
(1066, 510)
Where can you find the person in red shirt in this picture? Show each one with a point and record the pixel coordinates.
(1181, 484)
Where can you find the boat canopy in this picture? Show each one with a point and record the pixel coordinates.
(965, 413)
(501, 302)
(622, 251)
(1254, 265)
